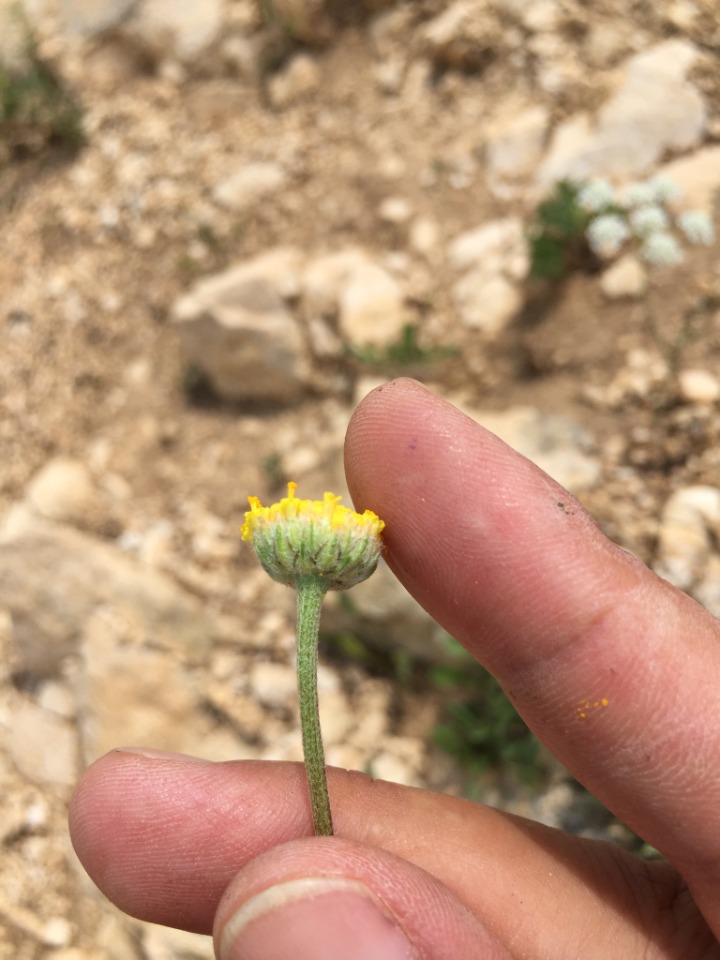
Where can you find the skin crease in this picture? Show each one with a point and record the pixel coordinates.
(614, 670)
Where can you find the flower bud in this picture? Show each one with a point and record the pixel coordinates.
(296, 539)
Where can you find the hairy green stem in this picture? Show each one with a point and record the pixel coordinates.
(310, 593)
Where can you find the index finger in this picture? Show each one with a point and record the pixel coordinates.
(614, 669)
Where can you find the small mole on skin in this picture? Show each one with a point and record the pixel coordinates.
(412, 445)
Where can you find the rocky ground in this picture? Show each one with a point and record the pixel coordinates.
(270, 195)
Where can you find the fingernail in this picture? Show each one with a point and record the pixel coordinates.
(314, 918)
(152, 754)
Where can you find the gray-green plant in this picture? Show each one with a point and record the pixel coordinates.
(583, 224)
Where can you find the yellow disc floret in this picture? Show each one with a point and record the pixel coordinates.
(297, 538)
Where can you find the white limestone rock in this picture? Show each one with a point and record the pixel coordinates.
(390, 766)
(133, 693)
(498, 246)
(424, 238)
(274, 684)
(42, 745)
(176, 30)
(690, 524)
(366, 298)
(169, 943)
(336, 716)
(462, 36)
(90, 18)
(697, 176)
(181, 31)
(58, 698)
(655, 109)
(698, 386)
(250, 185)
(707, 590)
(238, 328)
(326, 275)
(450, 26)
(486, 302)
(682, 14)
(300, 78)
(53, 578)
(372, 308)
(604, 44)
(514, 146)
(493, 257)
(626, 278)
(541, 16)
(63, 490)
(395, 210)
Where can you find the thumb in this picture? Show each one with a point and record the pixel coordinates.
(323, 898)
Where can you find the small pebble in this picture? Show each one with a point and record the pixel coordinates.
(698, 386)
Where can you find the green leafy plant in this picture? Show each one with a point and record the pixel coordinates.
(556, 235)
(272, 468)
(36, 111)
(481, 728)
(281, 17)
(404, 352)
(346, 646)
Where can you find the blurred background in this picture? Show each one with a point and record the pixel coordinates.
(222, 223)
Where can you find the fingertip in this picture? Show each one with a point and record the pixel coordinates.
(85, 803)
(137, 819)
(107, 777)
(312, 918)
(382, 408)
(393, 391)
(328, 897)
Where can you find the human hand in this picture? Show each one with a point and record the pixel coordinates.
(511, 565)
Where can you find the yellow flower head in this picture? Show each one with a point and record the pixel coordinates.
(297, 538)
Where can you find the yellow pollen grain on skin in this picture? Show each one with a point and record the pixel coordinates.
(586, 706)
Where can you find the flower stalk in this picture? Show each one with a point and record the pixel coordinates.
(310, 593)
(315, 546)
